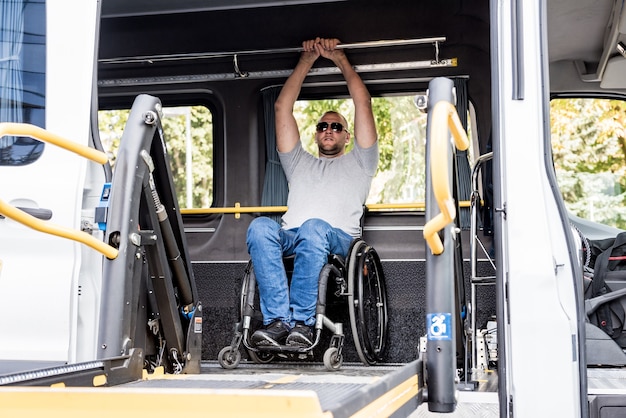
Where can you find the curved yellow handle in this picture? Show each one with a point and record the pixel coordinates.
(26, 129)
(444, 117)
(37, 224)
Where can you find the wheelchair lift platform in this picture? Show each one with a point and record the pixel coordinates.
(280, 389)
(259, 390)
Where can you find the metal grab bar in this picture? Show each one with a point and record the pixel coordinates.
(35, 132)
(444, 117)
(37, 224)
(208, 55)
(475, 242)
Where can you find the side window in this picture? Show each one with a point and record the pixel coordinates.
(188, 132)
(401, 127)
(589, 153)
(22, 77)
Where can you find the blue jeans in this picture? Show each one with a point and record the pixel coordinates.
(311, 244)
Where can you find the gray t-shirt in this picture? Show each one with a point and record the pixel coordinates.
(332, 189)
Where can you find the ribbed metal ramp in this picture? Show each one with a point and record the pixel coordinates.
(290, 390)
(331, 389)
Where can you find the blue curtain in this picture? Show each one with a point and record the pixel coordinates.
(464, 187)
(11, 85)
(275, 188)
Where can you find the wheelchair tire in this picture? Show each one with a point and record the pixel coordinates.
(261, 357)
(367, 302)
(251, 308)
(229, 358)
(332, 359)
(243, 296)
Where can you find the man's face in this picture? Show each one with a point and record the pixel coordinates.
(331, 136)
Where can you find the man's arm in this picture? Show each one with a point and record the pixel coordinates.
(364, 126)
(287, 134)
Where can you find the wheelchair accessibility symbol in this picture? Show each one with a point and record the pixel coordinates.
(439, 326)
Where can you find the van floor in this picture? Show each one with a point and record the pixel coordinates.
(331, 387)
(606, 380)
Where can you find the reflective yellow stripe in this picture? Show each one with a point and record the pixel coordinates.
(27, 402)
(99, 380)
(391, 401)
(290, 378)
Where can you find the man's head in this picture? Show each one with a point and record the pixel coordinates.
(331, 134)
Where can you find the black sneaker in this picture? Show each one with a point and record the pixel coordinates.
(273, 334)
(301, 335)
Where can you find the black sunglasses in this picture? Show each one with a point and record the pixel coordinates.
(335, 126)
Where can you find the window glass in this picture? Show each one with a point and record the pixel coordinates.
(22, 76)
(401, 174)
(188, 133)
(589, 148)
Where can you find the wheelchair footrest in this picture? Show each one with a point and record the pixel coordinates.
(289, 349)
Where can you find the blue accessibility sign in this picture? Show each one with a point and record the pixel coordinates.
(439, 326)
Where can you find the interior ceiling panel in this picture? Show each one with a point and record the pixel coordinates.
(576, 28)
(119, 8)
(286, 27)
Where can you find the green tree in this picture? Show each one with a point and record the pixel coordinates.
(111, 125)
(175, 126)
(176, 122)
(401, 137)
(589, 152)
(401, 134)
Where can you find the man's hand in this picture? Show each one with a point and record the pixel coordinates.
(328, 49)
(309, 52)
(314, 48)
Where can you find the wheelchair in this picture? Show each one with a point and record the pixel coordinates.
(358, 280)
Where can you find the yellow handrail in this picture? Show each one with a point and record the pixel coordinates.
(25, 129)
(37, 224)
(282, 209)
(235, 209)
(444, 117)
(411, 205)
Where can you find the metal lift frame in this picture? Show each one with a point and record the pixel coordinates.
(150, 301)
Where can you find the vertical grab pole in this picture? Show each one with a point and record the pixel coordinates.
(440, 312)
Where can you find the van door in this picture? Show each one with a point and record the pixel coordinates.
(47, 82)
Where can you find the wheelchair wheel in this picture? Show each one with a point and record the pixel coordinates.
(252, 308)
(367, 301)
(260, 357)
(243, 296)
(229, 358)
(332, 359)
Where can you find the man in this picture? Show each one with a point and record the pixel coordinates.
(325, 203)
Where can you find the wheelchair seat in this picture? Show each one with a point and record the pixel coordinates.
(357, 281)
